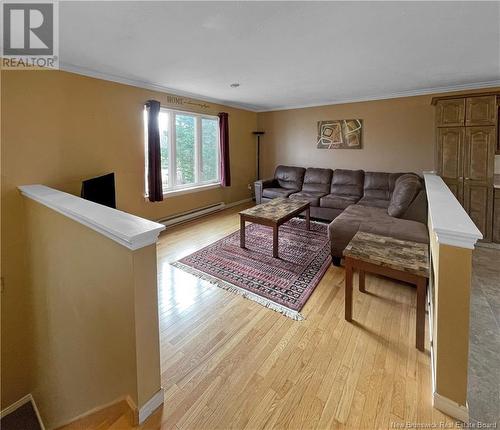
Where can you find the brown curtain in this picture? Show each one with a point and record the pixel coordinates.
(225, 174)
(155, 190)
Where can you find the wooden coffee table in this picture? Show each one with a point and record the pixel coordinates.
(273, 214)
(398, 259)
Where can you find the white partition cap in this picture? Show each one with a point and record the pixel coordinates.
(128, 230)
(449, 220)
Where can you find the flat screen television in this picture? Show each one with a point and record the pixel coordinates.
(100, 190)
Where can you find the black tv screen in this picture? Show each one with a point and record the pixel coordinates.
(100, 190)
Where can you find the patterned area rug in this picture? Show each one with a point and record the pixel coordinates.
(283, 284)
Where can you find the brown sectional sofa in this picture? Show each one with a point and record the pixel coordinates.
(390, 204)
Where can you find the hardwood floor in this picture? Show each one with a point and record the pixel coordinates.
(228, 362)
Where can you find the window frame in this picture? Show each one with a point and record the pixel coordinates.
(198, 185)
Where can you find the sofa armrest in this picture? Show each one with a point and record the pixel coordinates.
(259, 187)
(417, 210)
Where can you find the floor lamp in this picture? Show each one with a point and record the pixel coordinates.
(258, 134)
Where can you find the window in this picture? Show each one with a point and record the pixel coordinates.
(189, 150)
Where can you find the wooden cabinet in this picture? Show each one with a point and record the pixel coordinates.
(450, 113)
(479, 160)
(479, 154)
(478, 203)
(481, 111)
(498, 127)
(450, 142)
(466, 138)
(496, 216)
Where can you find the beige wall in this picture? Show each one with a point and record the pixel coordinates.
(93, 318)
(58, 128)
(452, 267)
(147, 350)
(398, 136)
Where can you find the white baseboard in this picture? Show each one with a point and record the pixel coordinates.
(450, 407)
(131, 403)
(142, 414)
(198, 213)
(239, 202)
(22, 401)
(150, 406)
(93, 411)
(16, 405)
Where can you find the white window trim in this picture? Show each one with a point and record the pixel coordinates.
(189, 190)
(185, 188)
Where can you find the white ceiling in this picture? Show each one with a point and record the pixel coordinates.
(285, 54)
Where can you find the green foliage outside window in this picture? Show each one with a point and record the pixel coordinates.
(185, 142)
(184, 148)
(209, 149)
(164, 156)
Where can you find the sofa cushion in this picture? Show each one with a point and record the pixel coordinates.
(289, 177)
(376, 203)
(405, 190)
(309, 196)
(379, 185)
(372, 220)
(347, 183)
(272, 193)
(317, 180)
(343, 228)
(337, 202)
(327, 214)
(398, 228)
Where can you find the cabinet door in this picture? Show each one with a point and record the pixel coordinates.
(496, 217)
(450, 113)
(481, 111)
(450, 144)
(479, 161)
(498, 126)
(478, 203)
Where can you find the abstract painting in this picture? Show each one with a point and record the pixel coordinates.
(340, 134)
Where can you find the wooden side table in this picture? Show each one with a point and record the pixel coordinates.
(398, 259)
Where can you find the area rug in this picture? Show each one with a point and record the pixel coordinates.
(283, 284)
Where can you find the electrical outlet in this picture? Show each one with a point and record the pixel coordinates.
(249, 186)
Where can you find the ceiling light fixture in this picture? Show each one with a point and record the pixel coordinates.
(234, 85)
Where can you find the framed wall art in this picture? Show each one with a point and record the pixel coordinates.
(340, 134)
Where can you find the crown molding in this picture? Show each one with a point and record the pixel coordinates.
(79, 70)
(71, 68)
(386, 96)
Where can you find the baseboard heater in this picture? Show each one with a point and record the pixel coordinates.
(190, 215)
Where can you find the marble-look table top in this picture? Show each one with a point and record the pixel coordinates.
(411, 257)
(276, 209)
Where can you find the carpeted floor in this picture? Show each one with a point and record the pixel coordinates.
(283, 284)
